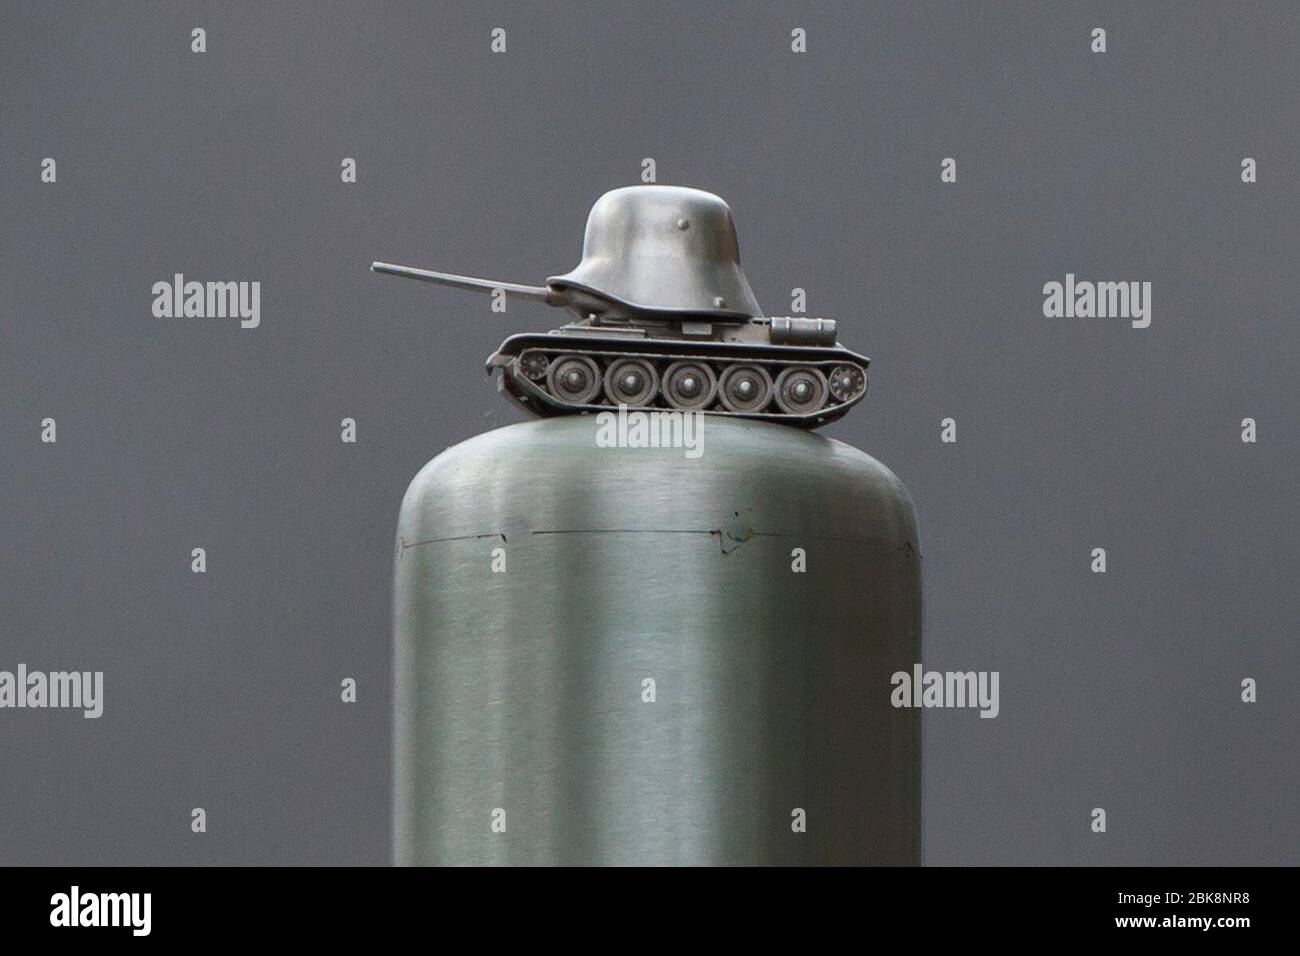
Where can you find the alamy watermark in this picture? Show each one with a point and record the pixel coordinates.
(946, 689)
(208, 300)
(651, 429)
(80, 690)
(1103, 300)
(75, 908)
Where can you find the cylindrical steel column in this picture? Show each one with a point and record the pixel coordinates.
(767, 588)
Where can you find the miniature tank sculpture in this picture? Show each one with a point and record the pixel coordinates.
(666, 319)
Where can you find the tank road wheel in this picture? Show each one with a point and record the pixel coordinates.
(745, 388)
(847, 382)
(532, 365)
(800, 390)
(573, 379)
(631, 381)
(689, 385)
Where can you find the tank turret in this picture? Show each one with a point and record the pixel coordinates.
(665, 319)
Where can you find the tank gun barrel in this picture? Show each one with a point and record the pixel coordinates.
(538, 293)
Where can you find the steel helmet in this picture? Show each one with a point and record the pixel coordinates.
(663, 249)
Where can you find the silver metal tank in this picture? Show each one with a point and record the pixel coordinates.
(665, 318)
(523, 732)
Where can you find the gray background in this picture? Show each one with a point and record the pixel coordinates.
(222, 690)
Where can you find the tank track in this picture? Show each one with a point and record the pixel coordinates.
(564, 374)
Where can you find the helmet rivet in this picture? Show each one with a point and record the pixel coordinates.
(719, 301)
(683, 224)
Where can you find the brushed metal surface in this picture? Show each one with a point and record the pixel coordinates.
(522, 690)
(666, 249)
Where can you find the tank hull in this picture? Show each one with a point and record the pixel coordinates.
(525, 732)
(534, 396)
